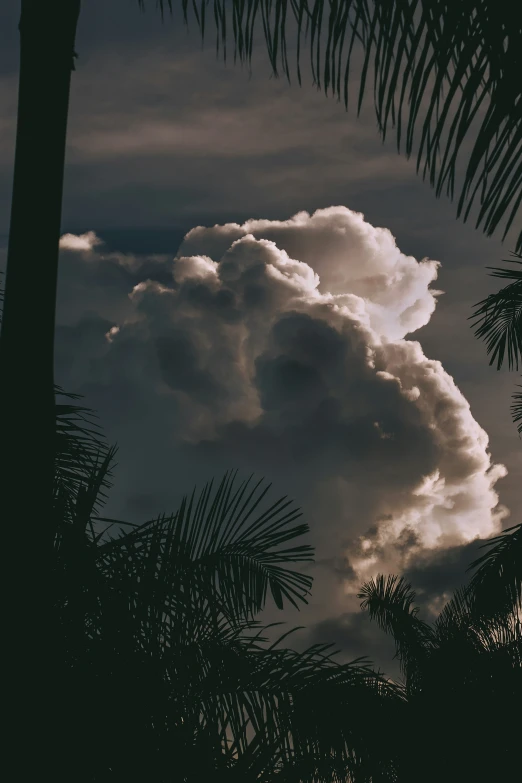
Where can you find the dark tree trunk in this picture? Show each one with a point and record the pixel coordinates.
(47, 35)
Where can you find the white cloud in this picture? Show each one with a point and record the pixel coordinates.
(86, 241)
(281, 347)
(351, 258)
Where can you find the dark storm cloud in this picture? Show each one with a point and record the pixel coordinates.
(355, 636)
(179, 367)
(435, 575)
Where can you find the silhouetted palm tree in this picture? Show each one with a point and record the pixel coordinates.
(463, 675)
(470, 48)
(155, 643)
(498, 321)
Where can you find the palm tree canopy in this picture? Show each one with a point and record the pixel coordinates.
(467, 54)
(498, 321)
(463, 672)
(390, 601)
(491, 601)
(496, 584)
(162, 650)
(498, 318)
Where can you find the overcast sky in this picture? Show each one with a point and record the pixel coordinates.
(315, 350)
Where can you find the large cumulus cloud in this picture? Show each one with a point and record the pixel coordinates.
(284, 347)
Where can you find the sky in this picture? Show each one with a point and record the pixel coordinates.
(250, 279)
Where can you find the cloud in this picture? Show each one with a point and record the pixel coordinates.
(435, 575)
(86, 241)
(351, 259)
(283, 347)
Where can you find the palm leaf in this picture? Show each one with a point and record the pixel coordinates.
(463, 631)
(478, 631)
(224, 543)
(80, 445)
(516, 410)
(498, 318)
(390, 601)
(496, 585)
(465, 56)
(258, 687)
(466, 669)
(266, 708)
(454, 618)
(309, 699)
(207, 688)
(305, 711)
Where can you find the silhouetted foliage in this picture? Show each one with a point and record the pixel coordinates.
(470, 50)
(498, 318)
(498, 321)
(496, 586)
(157, 644)
(463, 674)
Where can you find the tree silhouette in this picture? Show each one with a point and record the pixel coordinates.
(472, 51)
(463, 675)
(155, 641)
(498, 321)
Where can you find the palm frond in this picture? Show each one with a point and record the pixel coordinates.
(477, 654)
(80, 445)
(466, 668)
(454, 617)
(461, 631)
(516, 410)
(496, 585)
(498, 318)
(296, 710)
(470, 50)
(390, 601)
(224, 543)
(299, 703)
(152, 605)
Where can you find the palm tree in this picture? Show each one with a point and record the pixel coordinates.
(472, 50)
(498, 321)
(463, 675)
(155, 642)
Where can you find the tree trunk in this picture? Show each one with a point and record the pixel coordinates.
(47, 34)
